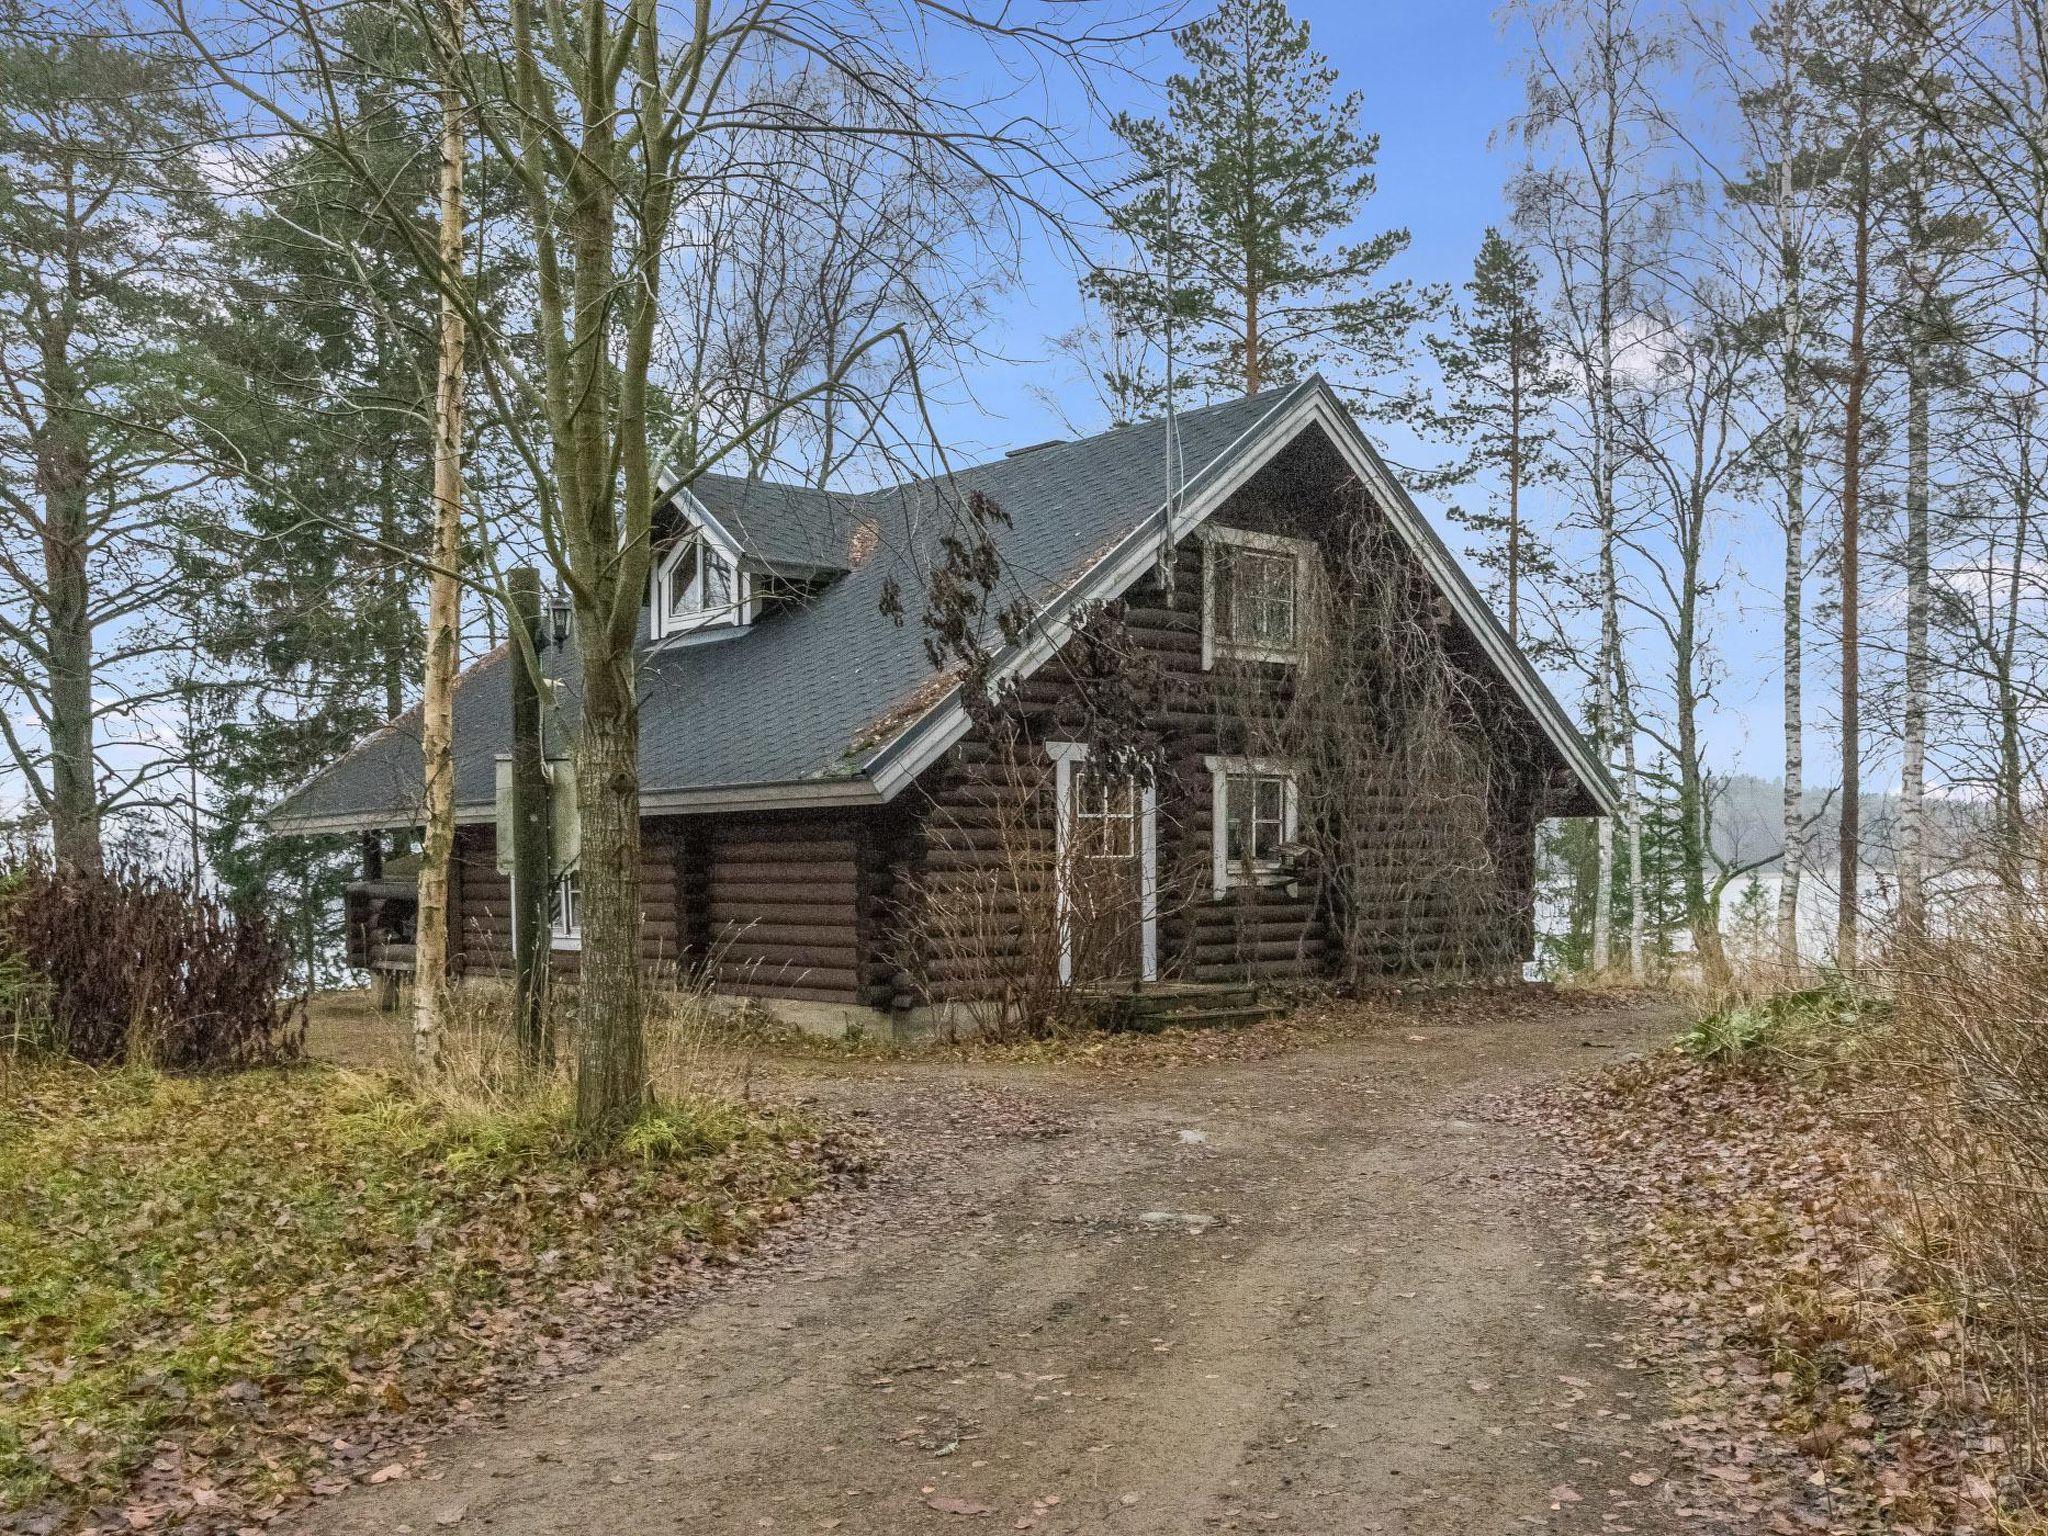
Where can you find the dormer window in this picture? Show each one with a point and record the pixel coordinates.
(698, 585)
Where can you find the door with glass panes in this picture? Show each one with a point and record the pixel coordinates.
(1102, 873)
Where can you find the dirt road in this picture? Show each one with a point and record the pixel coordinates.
(1320, 1293)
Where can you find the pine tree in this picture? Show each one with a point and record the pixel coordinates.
(1500, 383)
(1243, 195)
(103, 212)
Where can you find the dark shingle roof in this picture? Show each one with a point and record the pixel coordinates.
(782, 525)
(814, 691)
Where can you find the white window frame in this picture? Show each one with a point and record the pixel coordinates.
(1225, 875)
(663, 622)
(1215, 645)
(565, 909)
(1067, 757)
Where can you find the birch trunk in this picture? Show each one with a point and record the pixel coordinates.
(444, 594)
(1792, 383)
(1610, 619)
(1850, 863)
(1913, 727)
(1912, 837)
(1632, 790)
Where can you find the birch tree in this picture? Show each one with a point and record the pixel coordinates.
(1690, 437)
(1594, 200)
(444, 589)
(1772, 191)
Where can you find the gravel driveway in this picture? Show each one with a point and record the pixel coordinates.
(1318, 1293)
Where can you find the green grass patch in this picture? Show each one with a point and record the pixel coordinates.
(1825, 1025)
(235, 1265)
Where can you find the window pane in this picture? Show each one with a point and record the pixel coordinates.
(1263, 598)
(1255, 819)
(1237, 810)
(565, 905)
(1272, 799)
(717, 584)
(682, 581)
(1106, 812)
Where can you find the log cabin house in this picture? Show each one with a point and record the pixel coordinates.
(831, 829)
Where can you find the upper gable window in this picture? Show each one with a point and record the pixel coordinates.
(697, 586)
(1254, 591)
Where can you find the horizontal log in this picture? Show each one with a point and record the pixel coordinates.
(833, 872)
(822, 977)
(798, 910)
(754, 936)
(1261, 970)
(790, 957)
(751, 850)
(1267, 949)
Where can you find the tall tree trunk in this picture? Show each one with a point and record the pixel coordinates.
(2011, 816)
(1632, 791)
(444, 592)
(1850, 866)
(611, 1077)
(1608, 726)
(1695, 830)
(1792, 651)
(1515, 497)
(1252, 372)
(1912, 870)
(1912, 834)
(532, 840)
(64, 467)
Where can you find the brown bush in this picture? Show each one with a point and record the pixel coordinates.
(130, 966)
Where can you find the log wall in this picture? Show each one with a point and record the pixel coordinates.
(765, 905)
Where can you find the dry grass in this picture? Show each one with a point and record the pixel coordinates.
(1970, 1058)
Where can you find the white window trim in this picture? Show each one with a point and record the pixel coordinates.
(1214, 645)
(560, 937)
(1065, 756)
(662, 624)
(1223, 874)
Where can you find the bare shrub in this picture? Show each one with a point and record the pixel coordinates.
(1970, 1063)
(130, 966)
